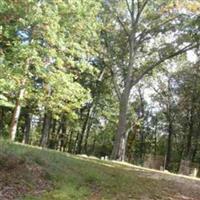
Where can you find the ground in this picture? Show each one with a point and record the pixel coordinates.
(29, 173)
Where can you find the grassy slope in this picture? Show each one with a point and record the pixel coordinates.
(78, 178)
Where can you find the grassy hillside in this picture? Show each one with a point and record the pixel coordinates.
(30, 173)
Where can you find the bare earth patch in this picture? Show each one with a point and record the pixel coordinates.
(17, 178)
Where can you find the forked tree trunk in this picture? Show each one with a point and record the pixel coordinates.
(16, 113)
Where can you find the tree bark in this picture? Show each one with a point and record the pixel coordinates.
(196, 143)
(86, 138)
(94, 145)
(45, 129)
(190, 134)
(84, 129)
(1, 120)
(119, 146)
(169, 145)
(70, 142)
(155, 139)
(27, 128)
(16, 113)
(63, 137)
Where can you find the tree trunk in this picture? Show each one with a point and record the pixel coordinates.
(70, 142)
(190, 135)
(16, 113)
(1, 120)
(45, 129)
(196, 143)
(63, 137)
(94, 145)
(84, 129)
(155, 139)
(27, 128)
(169, 145)
(119, 147)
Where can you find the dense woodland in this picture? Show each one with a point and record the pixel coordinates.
(116, 78)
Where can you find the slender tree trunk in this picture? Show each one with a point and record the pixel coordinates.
(70, 142)
(84, 129)
(94, 144)
(189, 136)
(86, 138)
(76, 142)
(16, 113)
(169, 145)
(155, 139)
(196, 143)
(45, 129)
(63, 137)
(54, 126)
(141, 145)
(141, 117)
(27, 128)
(119, 147)
(1, 120)
(131, 138)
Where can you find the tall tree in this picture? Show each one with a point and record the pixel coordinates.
(140, 44)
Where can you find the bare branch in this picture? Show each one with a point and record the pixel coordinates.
(128, 7)
(119, 20)
(140, 10)
(123, 26)
(154, 65)
(133, 13)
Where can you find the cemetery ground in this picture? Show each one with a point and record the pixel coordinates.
(31, 173)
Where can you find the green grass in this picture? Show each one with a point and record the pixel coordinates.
(75, 178)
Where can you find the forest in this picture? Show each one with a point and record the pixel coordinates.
(114, 79)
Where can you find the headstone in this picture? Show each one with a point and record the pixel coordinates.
(194, 172)
(102, 157)
(154, 162)
(185, 167)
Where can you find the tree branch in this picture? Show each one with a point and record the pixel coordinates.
(154, 65)
(128, 7)
(140, 10)
(117, 90)
(123, 26)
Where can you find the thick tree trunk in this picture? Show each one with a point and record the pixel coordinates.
(16, 113)
(119, 147)
(45, 129)
(27, 128)
(169, 146)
